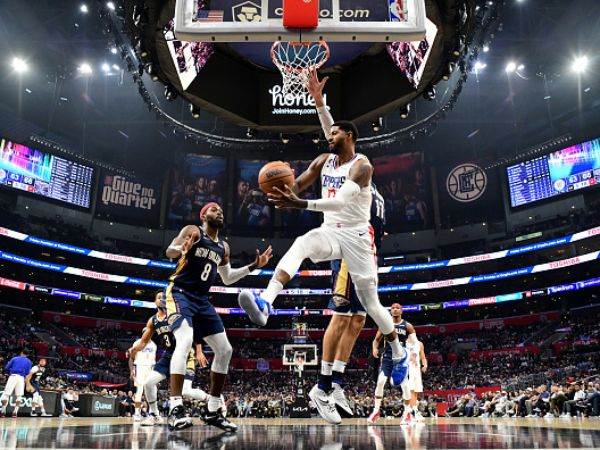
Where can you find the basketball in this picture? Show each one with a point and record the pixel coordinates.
(275, 174)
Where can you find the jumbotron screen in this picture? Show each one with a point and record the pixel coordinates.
(568, 170)
(41, 173)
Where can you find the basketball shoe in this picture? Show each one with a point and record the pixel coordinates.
(374, 417)
(150, 421)
(325, 405)
(258, 310)
(340, 399)
(217, 419)
(177, 419)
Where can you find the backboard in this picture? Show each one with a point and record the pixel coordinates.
(293, 352)
(261, 21)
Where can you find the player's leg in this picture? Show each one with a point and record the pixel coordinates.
(406, 397)
(8, 391)
(188, 389)
(140, 381)
(19, 393)
(209, 326)
(358, 249)
(178, 303)
(159, 373)
(381, 380)
(318, 245)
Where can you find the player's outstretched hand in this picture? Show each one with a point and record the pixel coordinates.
(285, 198)
(314, 86)
(262, 259)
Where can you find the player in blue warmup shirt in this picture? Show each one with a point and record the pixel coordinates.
(17, 368)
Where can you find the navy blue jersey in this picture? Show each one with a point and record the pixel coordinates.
(196, 271)
(163, 335)
(377, 215)
(402, 336)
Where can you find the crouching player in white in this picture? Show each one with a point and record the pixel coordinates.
(345, 234)
(407, 335)
(32, 383)
(141, 364)
(159, 332)
(17, 368)
(417, 364)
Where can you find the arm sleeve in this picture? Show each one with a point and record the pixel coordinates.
(326, 120)
(230, 276)
(346, 194)
(412, 338)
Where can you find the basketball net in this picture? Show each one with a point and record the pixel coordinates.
(299, 360)
(294, 60)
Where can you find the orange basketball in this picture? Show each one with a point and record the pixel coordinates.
(276, 173)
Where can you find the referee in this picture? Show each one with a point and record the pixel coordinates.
(17, 368)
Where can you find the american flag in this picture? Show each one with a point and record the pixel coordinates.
(206, 15)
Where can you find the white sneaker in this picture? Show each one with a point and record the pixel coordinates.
(150, 421)
(325, 405)
(137, 418)
(406, 419)
(340, 399)
(257, 309)
(419, 417)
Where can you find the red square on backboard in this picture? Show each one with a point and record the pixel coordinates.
(302, 14)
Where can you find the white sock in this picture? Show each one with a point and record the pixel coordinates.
(397, 351)
(273, 289)
(326, 367)
(153, 406)
(339, 366)
(407, 410)
(214, 403)
(175, 401)
(378, 401)
(137, 411)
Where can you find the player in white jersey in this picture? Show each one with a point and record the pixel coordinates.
(417, 364)
(141, 365)
(345, 234)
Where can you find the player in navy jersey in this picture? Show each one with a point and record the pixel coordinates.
(406, 333)
(33, 383)
(348, 316)
(202, 255)
(158, 330)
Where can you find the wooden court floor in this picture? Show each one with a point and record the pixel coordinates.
(302, 434)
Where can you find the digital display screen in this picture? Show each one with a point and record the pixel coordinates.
(41, 173)
(568, 170)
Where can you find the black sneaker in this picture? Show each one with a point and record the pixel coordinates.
(216, 419)
(177, 419)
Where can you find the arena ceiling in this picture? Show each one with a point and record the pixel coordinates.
(102, 115)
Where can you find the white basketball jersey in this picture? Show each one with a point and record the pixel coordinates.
(147, 356)
(333, 176)
(414, 356)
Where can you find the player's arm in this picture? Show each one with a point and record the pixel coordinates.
(183, 241)
(411, 338)
(230, 275)
(359, 177)
(315, 89)
(377, 343)
(424, 363)
(145, 339)
(310, 175)
(32, 372)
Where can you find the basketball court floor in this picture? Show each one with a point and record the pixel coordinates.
(302, 434)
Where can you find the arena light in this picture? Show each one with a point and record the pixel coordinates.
(479, 66)
(580, 64)
(105, 68)
(521, 67)
(111, 6)
(250, 133)
(486, 48)
(429, 93)
(116, 67)
(85, 69)
(113, 50)
(194, 111)
(19, 65)
(377, 125)
(448, 70)
(510, 67)
(405, 111)
(84, 8)
(170, 93)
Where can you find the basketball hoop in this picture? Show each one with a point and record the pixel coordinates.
(299, 360)
(294, 60)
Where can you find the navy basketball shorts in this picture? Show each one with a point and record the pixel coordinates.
(344, 301)
(199, 313)
(387, 365)
(163, 366)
